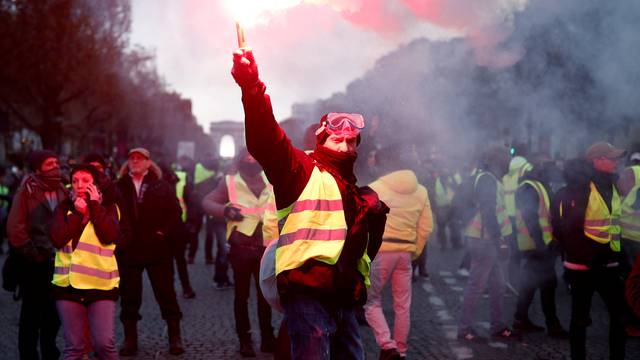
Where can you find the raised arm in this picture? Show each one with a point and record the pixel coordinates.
(287, 168)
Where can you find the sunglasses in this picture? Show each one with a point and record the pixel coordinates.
(342, 123)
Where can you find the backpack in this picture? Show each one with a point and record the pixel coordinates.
(464, 205)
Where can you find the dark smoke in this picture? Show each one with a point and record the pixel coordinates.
(575, 80)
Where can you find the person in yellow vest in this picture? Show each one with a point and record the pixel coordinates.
(629, 186)
(510, 181)
(409, 225)
(85, 231)
(245, 199)
(487, 234)
(586, 222)
(534, 239)
(330, 228)
(445, 188)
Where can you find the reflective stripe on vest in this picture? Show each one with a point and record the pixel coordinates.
(630, 217)
(474, 229)
(255, 210)
(600, 224)
(91, 265)
(525, 241)
(314, 227)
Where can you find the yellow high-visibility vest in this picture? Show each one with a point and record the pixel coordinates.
(201, 173)
(91, 265)
(314, 227)
(510, 182)
(474, 229)
(525, 241)
(444, 192)
(600, 224)
(182, 182)
(630, 217)
(255, 210)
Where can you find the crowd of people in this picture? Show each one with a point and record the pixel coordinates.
(317, 243)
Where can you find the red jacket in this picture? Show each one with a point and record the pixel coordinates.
(288, 170)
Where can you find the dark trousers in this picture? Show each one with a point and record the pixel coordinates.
(512, 270)
(420, 263)
(219, 230)
(161, 278)
(444, 220)
(245, 261)
(181, 264)
(538, 273)
(39, 322)
(608, 283)
(195, 225)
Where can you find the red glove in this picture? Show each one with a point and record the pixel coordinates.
(245, 69)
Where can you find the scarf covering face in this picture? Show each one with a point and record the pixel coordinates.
(251, 169)
(340, 163)
(47, 181)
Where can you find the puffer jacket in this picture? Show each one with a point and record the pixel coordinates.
(409, 222)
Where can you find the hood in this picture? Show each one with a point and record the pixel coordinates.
(402, 181)
(516, 163)
(578, 172)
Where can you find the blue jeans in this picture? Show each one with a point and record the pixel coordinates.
(99, 317)
(485, 269)
(321, 333)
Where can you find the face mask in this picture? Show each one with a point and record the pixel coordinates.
(249, 168)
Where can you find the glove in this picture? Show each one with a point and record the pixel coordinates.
(245, 69)
(232, 213)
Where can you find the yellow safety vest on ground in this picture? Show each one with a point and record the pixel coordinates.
(525, 241)
(444, 192)
(517, 168)
(315, 227)
(255, 210)
(630, 217)
(91, 265)
(474, 229)
(182, 182)
(201, 173)
(600, 224)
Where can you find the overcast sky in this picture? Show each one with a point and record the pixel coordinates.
(305, 53)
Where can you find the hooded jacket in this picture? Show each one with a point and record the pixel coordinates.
(409, 222)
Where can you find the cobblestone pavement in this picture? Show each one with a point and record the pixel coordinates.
(208, 325)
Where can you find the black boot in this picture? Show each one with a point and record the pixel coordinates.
(246, 347)
(268, 343)
(130, 345)
(175, 341)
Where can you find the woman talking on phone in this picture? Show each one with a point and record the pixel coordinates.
(85, 231)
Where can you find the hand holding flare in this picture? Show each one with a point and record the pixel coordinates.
(245, 69)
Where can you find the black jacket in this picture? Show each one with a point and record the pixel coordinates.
(151, 216)
(568, 210)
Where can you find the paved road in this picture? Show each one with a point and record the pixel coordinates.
(208, 326)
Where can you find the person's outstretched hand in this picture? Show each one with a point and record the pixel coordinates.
(245, 69)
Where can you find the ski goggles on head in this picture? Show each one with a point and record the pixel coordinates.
(344, 124)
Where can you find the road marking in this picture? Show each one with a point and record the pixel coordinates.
(450, 281)
(444, 315)
(436, 301)
(445, 273)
